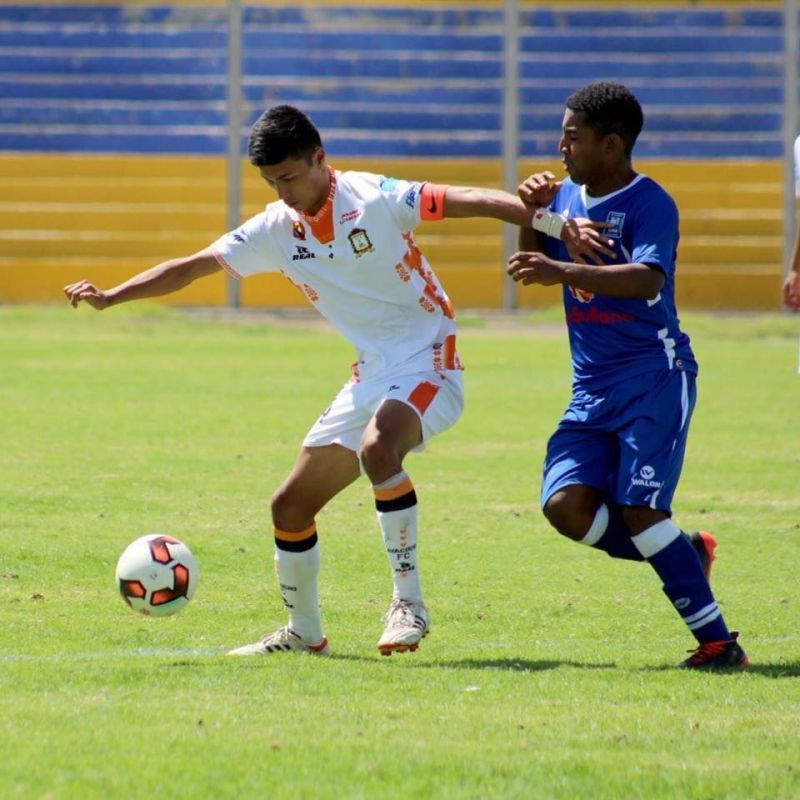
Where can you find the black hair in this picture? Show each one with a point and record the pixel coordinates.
(282, 132)
(609, 108)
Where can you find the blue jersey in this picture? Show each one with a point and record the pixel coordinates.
(613, 338)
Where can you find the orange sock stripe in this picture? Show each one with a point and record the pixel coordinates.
(296, 536)
(395, 491)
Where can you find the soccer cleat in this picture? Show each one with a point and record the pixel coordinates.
(727, 654)
(280, 641)
(406, 623)
(705, 545)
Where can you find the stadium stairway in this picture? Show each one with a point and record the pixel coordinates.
(112, 128)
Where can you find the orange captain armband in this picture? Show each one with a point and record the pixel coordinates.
(431, 201)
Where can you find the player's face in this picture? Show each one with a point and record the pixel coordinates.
(580, 148)
(302, 186)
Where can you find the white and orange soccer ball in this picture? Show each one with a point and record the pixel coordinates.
(157, 575)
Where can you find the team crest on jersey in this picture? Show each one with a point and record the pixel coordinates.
(359, 241)
(298, 231)
(581, 295)
(614, 220)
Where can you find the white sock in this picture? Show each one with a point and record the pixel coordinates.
(298, 575)
(396, 506)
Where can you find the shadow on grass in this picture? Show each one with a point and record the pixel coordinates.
(507, 664)
(766, 670)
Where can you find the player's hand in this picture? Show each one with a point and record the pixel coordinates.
(89, 293)
(791, 290)
(585, 241)
(526, 268)
(538, 190)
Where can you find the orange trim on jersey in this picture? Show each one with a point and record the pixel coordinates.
(422, 396)
(395, 491)
(321, 223)
(225, 265)
(450, 357)
(296, 536)
(431, 201)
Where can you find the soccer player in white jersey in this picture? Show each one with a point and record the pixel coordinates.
(614, 461)
(345, 239)
(791, 284)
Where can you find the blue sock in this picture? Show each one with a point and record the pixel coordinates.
(610, 534)
(676, 562)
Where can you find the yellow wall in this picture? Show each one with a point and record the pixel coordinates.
(65, 217)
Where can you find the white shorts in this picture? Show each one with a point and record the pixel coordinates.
(438, 399)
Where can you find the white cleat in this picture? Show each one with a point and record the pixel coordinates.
(280, 641)
(406, 624)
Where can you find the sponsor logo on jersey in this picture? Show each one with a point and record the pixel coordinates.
(581, 295)
(646, 475)
(411, 197)
(238, 236)
(349, 216)
(577, 316)
(359, 241)
(302, 254)
(298, 231)
(432, 207)
(615, 220)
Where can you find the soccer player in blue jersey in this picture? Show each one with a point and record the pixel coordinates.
(613, 463)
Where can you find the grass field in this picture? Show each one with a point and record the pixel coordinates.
(549, 672)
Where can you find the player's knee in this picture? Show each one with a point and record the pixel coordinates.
(289, 513)
(565, 516)
(379, 460)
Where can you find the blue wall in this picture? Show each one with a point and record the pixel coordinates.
(384, 82)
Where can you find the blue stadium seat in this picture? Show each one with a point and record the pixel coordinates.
(384, 81)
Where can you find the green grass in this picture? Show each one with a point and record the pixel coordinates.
(549, 670)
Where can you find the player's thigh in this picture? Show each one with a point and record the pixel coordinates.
(578, 455)
(653, 443)
(393, 431)
(318, 475)
(437, 399)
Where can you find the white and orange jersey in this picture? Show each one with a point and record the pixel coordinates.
(358, 264)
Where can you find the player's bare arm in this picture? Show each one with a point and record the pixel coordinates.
(165, 278)
(791, 284)
(583, 237)
(471, 201)
(633, 281)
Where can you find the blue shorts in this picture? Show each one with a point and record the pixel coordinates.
(628, 440)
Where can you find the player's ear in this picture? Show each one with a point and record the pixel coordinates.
(318, 158)
(613, 145)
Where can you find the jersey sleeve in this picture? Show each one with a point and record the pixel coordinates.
(410, 202)
(797, 167)
(249, 249)
(654, 234)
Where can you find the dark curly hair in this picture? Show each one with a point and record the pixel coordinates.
(609, 108)
(282, 132)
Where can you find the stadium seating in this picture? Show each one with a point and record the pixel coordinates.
(113, 127)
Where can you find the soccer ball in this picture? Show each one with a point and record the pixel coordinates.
(157, 575)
